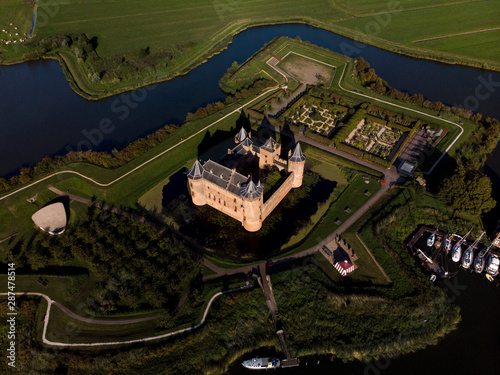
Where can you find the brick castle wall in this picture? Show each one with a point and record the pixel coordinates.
(223, 200)
(278, 195)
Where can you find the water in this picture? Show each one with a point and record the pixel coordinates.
(44, 117)
(40, 115)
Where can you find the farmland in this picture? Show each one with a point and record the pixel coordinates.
(135, 43)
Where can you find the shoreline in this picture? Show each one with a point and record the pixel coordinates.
(84, 88)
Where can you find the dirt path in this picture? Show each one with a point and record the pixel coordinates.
(459, 34)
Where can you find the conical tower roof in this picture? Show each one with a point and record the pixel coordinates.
(270, 144)
(297, 155)
(242, 135)
(250, 190)
(196, 172)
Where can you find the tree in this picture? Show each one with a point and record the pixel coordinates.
(467, 191)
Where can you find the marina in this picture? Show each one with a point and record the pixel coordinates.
(432, 248)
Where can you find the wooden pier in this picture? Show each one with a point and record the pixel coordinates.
(265, 283)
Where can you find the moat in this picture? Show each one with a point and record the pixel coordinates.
(478, 299)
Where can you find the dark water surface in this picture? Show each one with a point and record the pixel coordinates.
(40, 115)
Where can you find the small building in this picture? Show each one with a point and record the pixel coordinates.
(406, 168)
(339, 258)
(344, 267)
(51, 218)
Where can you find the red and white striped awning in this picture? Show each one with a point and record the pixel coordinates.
(344, 267)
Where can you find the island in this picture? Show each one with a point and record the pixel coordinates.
(277, 221)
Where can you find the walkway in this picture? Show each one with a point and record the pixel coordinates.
(51, 302)
(237, 110)
(411, 110)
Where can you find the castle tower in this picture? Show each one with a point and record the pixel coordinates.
(196, 185)
(241, 136)
(296, 162)
(253, 200)
(268, 152)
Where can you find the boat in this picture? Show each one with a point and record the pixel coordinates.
(468, 256)
(438, 242)
(261, 363)
(479, 262)
(431, 239)
(492, 265)
(456, 253)
(447, 243)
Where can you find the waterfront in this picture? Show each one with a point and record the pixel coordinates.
(44, 116)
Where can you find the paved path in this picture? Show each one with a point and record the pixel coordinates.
(51, 302)
(237, 110)
(411, 110)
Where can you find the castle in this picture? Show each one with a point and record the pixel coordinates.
(230, 192)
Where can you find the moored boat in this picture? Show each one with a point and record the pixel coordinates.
(261, 363)
(431, 239)
(480, 260)
(456, 253)
(447, 244)
(468, 256)
(492, 265)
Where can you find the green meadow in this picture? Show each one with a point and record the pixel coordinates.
(136, 43)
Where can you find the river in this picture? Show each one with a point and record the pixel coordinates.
(40, 115)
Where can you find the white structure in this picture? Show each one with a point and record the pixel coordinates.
(51, 219)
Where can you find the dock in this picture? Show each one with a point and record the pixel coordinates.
(265, 283)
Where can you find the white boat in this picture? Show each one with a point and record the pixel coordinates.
(468, 256)
(447, 243)
(492, 265)
(456, 253)
(261, 363)
(480, 260)
(431, 239)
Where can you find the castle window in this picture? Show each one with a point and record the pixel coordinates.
(219, 200)
(209, 195)
(234, 200)
(224, 203)
(214, 198)
(235, 209)
(191, 184)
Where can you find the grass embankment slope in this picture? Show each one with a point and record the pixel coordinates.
(140, 43)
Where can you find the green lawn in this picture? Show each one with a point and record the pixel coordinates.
(190, 314)
(164, 39)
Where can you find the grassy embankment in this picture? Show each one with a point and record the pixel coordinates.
(343, 80)
(127, 191)
(162, 40)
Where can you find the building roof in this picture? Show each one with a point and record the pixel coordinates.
(251, 190)
(223, 177)
(247, 142)
(406, 167)
(51, 218)
(297, 155)
(242, 135)
(196, 172)
(344, 267)
(270, 144)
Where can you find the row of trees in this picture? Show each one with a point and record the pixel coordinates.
(131, 261)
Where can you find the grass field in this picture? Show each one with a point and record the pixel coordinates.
(183, 34)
